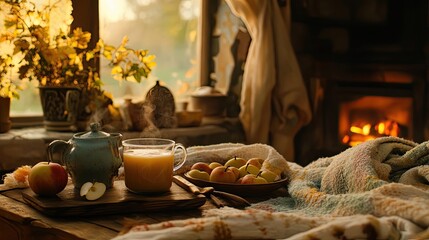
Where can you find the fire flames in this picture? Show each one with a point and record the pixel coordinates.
(361, 132)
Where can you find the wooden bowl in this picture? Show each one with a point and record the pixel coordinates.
(189, 118)
(240, 189)
(210, 105)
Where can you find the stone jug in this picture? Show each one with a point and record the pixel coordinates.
(92, 156)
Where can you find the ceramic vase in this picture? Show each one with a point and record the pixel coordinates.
(60, 107)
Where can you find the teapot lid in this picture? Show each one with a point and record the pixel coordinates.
(95, 132)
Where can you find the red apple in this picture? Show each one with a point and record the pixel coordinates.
(202, 166)
(236, 172)
(47, 178)
(253, 179)
(223, 174)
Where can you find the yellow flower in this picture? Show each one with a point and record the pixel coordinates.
(80, 39)
(89, 55)
(117, 72)
(44, 80)
(149, 60)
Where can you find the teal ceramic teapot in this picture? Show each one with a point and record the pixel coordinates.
(90, 156)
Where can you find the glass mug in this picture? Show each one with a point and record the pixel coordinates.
(149, 164)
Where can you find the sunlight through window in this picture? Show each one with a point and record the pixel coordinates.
(167, 28)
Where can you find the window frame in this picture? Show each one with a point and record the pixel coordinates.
(205, 29)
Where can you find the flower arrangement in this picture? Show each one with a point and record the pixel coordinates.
(49, 53)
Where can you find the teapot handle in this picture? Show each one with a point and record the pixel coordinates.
(51, 148)
(116, 142)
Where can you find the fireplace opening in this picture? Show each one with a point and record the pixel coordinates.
(359, 111)
(371, 117)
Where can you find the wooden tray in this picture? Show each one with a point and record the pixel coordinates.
(116, 200)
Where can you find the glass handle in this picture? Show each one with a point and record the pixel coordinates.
(185, 153)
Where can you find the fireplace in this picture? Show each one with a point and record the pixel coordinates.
(359, 111)
(362, 102)
(370, 117)
(356, 104)
(365, 66)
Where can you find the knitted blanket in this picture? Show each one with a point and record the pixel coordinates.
(375, 190)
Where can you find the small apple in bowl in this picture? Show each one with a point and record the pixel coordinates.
(257, 162)
(202, 166)
(47, 178)
(253, 179)
(248, 168)
(223, 174)
(270, 176)
(213, 165)
(198, 174)
(235, 162)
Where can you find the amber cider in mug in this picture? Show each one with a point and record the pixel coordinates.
(149, 164)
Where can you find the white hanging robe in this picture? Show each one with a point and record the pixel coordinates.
(274, 102)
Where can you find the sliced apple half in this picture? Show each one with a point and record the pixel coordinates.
(92, 190)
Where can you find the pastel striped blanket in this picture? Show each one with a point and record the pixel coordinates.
(375, 190)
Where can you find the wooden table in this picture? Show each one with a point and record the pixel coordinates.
(18, 220)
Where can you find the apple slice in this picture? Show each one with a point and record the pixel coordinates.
(85, 188)
(92, 191)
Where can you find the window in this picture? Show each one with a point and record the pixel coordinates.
(167, 28)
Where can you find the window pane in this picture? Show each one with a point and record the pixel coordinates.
(167, 28)
(28, 103)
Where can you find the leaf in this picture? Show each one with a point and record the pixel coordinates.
(124, 40)
(109, 48)
(117, 70)
(107, 55)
